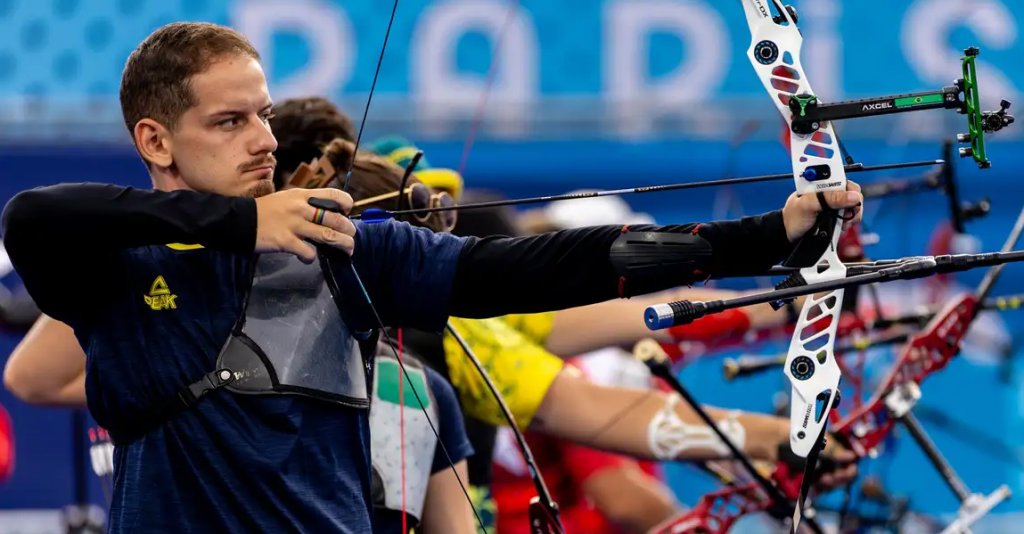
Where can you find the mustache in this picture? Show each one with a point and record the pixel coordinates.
(262, 161)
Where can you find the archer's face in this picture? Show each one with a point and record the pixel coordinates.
(223, 144)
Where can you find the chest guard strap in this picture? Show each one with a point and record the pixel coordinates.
(171, 407)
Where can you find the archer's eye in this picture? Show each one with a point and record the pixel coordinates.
(229, 124)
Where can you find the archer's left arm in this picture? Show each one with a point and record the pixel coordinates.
(576, 267)
(417, 278)
(570, 268)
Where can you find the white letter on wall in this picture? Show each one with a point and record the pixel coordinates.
(629, 25)
(926, 29)
(324, 25)
(823, 47)
(443, 93)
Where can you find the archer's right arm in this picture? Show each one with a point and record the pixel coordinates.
(53, 233)
(91, 224)
(48, 366)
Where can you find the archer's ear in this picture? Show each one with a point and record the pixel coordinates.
(154, 142)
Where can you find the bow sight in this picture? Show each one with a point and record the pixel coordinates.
(809, 114)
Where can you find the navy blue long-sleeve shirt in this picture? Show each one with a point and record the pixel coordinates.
(152, 315)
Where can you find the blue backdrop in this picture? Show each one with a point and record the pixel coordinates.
(592, 94)
(634, 70)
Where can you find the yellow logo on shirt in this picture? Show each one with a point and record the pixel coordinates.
(160, 297)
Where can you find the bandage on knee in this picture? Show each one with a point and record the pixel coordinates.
(668, 436)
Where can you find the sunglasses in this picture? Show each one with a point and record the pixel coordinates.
(419, 197)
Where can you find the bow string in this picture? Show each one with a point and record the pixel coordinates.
(543, 510)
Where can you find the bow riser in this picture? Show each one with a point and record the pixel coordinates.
(866, 427)
(812, 368)
(817, 166)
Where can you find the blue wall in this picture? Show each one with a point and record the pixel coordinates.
(605, 69)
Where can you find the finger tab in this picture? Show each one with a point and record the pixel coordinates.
(325, 204)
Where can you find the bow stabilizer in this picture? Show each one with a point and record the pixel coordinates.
(810, 115)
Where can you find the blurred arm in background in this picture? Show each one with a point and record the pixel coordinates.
(17, 309)
(630, 498)
(621, 322)
(48, 366)
(446, 511)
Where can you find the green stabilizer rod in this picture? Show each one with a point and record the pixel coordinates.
(978, 122)
(810, 115)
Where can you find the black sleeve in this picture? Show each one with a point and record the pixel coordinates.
(53, 232)
(558, 270)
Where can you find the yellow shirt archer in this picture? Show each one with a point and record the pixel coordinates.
(511, 350)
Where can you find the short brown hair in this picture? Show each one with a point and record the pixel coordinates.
(157, 78)
(303, 128)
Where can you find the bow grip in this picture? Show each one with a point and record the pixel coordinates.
(808, 251)
(815, 242)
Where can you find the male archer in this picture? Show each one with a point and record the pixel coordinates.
(223, 421)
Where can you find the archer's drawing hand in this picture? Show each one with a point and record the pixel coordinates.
(801, 212)
(285, 220)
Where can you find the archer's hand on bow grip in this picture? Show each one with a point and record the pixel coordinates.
(801, 212)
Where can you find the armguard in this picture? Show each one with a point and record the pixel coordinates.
(647, 258)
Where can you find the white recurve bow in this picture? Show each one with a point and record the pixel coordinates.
(817, 166)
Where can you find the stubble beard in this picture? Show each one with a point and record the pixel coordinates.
(262, 189)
